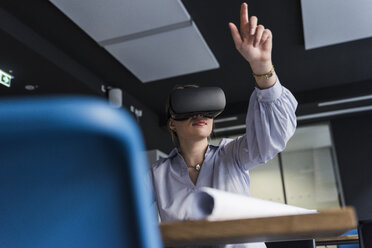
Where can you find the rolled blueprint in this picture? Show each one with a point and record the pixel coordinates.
(213, 204)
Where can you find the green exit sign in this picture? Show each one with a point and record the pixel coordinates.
(5, 78)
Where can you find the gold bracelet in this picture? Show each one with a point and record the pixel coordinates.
(266, 75)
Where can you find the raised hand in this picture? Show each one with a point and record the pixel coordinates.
(254, 43)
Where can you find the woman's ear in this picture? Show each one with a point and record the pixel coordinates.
(171, 125)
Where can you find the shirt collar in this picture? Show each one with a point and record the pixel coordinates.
(173, 153)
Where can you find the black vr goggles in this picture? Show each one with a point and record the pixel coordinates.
(187, 102)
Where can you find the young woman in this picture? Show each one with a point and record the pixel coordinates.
(270, 122)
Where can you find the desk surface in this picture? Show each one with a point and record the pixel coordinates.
(327, 223)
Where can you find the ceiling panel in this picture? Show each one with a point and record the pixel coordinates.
(109, 19)
(335, 21)
(164, 55)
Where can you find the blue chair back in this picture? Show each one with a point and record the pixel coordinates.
(72, 174)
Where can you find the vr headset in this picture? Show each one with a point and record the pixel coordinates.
(187, 102)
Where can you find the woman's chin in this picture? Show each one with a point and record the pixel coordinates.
(197, 137)
(203, 135)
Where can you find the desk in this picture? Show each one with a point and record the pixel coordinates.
(327, 223)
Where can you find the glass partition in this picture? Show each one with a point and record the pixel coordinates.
(308, 169)
(266, 181)
(303, 174)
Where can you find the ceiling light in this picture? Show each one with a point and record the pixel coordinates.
(232, 128)
(333, 113)
(234, 118)
(346, 100)
(31, 87)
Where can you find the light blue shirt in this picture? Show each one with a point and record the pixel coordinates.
(270, 122)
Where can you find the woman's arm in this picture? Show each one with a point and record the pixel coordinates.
(271, 118)
(270, 123)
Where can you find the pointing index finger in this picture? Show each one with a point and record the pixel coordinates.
(243, 15)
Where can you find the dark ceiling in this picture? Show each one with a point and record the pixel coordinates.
(43, 47)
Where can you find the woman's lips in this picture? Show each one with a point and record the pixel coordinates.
(199, 123)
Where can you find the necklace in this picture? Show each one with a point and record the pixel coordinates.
(195, 167)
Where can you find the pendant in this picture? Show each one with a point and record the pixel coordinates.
(197, 167)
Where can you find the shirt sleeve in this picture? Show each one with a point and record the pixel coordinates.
(270, 123)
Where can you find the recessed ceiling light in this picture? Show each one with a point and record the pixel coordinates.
(31, 86)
